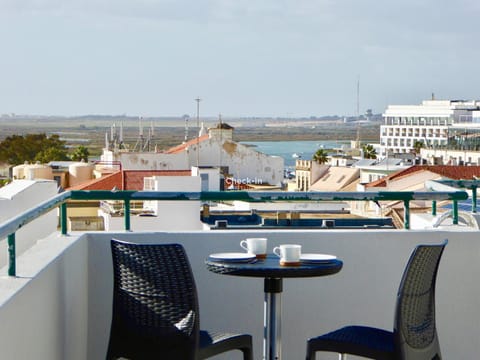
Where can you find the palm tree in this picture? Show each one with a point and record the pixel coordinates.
(320, 156)
(369, 152)
(417, 146)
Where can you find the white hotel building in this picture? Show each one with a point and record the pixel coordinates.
(437, 123)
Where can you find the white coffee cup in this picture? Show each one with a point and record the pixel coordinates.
(289, 254)
(257, 246)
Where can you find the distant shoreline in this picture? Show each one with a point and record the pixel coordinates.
(92, 134)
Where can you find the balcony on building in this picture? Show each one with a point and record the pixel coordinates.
(58, 304)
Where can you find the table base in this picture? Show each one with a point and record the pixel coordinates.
(272, 339)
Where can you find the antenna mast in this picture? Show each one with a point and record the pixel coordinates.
(185, 117)
(357, 140)
(198, 126)
(140, 140)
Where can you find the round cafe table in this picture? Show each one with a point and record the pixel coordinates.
(273, 274)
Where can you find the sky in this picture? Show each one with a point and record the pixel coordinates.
(245, 58)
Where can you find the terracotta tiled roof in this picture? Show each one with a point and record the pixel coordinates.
(448, 171)
(182, 147)
(127, 179)
(133, 179)
(107, 182)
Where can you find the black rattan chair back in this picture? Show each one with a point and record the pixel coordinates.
(155, 305)
(414, 336)
(415, 333)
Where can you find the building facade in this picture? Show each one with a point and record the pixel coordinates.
(239, 163)
(434, 123)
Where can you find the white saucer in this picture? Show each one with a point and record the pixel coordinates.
(232, 257)
(317, 258)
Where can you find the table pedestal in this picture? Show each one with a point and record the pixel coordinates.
(273, 274)
(272, 337)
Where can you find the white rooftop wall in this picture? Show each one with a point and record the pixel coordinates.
(19, 196)
(147, 160)
(212, 177)
(60, 305)
(430, 108)
(176, 215)
(451, 157)
(242, 161)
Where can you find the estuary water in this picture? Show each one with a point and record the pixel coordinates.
(293, 150)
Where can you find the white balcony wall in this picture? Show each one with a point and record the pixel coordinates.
(59, 306)
(20, 196)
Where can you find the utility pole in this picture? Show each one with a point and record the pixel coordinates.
(358, 98)
(198, 126)
(357, 140)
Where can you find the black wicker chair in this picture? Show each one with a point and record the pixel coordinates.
(414, 336)
(155, 307)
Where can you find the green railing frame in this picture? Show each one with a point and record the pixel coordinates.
(464, 184)
(9, 227)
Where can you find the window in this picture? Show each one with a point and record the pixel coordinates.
(204, 178)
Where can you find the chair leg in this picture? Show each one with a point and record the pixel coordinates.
(247, 353)
(310, 353)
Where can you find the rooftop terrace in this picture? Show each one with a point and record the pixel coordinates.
(58, 306)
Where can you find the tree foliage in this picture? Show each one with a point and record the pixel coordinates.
(320, 156)
(4, 182)
(369, 152)
(80, 153)
(17, 149)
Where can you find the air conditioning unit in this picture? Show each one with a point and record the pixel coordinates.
(221, 224)
(328, 224)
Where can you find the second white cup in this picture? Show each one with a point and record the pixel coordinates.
(257, 246)
(289, 254)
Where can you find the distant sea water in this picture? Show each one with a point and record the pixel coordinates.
(293, 150)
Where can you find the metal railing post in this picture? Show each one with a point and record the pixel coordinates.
(63, 218)
(127, 215)
(406, 215)
(12, 268)
(455, 212)
(474, 199)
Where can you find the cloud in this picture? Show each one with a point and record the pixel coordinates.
(421, 15)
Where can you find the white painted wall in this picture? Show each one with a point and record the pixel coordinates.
(61, 304)
(213, 174)
(47, 319)
(242, 161)
(148, 160)
(371, 173)
(452, 157)
(169, 215)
